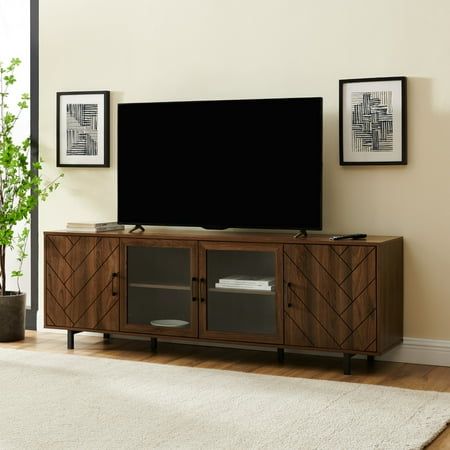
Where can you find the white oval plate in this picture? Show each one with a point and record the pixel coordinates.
(169, 323)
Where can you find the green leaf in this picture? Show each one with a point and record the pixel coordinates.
(22, 104)
(13, 64)
(9, 79)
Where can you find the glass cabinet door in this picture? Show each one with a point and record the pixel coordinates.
(241, 292)
(161, 287)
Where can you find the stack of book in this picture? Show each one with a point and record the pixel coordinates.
(246, 282)
(93, 226)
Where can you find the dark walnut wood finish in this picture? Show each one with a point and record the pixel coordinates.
(338, 296)
(331, 297)
(82, 282)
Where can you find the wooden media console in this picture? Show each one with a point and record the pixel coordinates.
(247, 288)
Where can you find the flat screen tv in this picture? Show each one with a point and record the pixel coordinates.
(221, 163)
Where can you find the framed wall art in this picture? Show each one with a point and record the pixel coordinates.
(82, 129)
(372, 121)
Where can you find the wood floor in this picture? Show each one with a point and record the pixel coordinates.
(411, 376)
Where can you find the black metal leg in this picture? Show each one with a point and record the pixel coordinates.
(153, 344)
(70, 339)
(370, 360)
(106, 336)
(280, 355)
(348, 363)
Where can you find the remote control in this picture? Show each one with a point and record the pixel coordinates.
(348, 236)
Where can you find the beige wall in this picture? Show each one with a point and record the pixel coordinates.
(144, 50)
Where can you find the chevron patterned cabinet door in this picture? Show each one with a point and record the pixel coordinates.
(82, 282)
(331, 297)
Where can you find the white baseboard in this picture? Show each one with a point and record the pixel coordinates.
(420, 351)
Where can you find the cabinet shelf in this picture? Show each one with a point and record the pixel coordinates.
(242, 291)
(160, 286)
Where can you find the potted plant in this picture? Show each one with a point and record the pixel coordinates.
(21, 187)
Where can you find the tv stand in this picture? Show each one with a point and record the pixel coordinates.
(136, 228)
(262, 289)
(301, 233)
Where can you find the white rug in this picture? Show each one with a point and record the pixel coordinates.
(65, 401)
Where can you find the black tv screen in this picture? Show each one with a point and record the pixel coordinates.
(221, 163)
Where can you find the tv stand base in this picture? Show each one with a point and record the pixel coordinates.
(301, 233)
(136, 228)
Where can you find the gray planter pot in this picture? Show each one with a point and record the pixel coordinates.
(12, 316)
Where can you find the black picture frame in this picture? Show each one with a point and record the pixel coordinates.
(82, 129)
(372, 121)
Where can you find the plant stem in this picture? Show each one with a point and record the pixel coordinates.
(2, 269)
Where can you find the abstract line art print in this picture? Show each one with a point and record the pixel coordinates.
(83, 129)
(372, 121)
